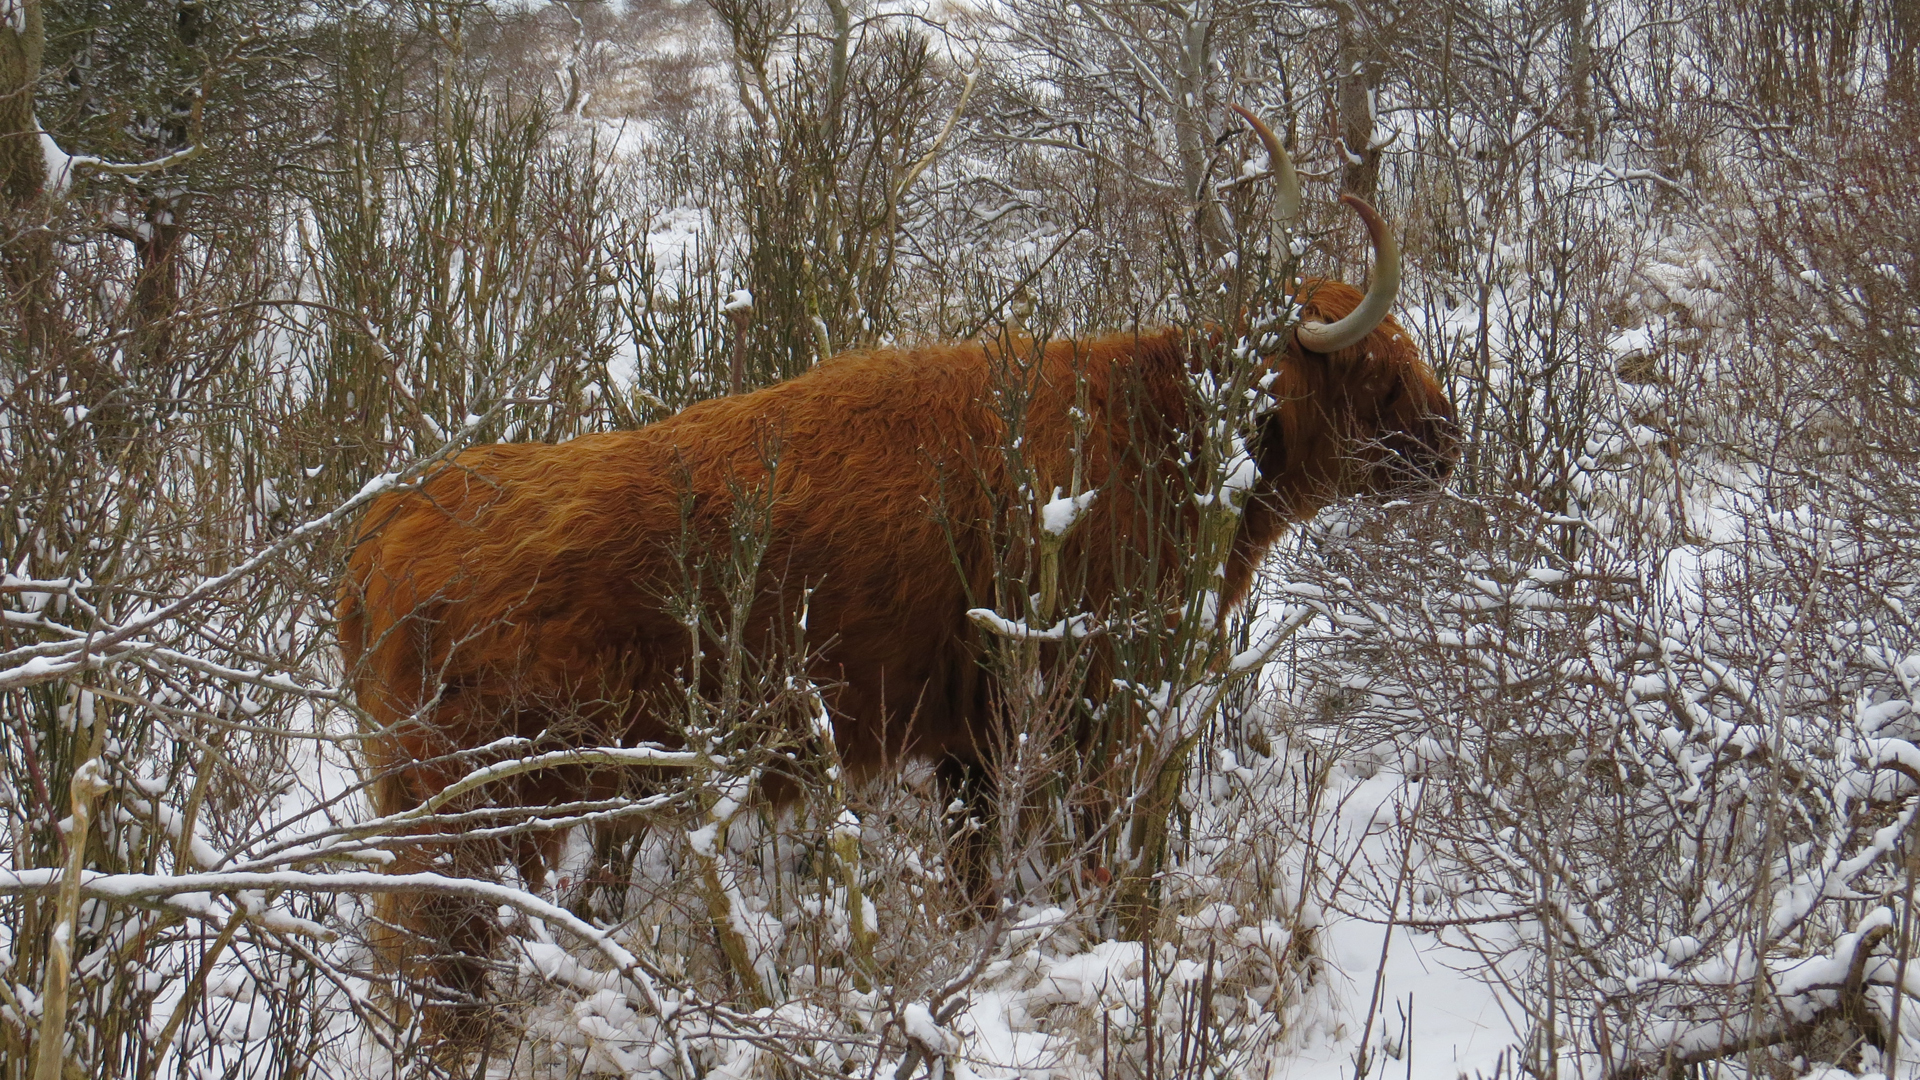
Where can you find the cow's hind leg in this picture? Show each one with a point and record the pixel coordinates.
(438, 945)
(609, 875)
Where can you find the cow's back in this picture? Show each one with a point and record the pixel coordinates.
(527, 586)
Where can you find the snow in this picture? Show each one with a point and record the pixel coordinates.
(1087, 978)
(1060, 512)
(1076, 626)
(1453, 1024)
(846, 826)
(1041, 1009)
(922, 1028)
(704, 840)
(1628, 344)
(675, 238)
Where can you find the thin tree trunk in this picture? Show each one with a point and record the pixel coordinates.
(1358, 77)
(1580, 75)
(23, 165)
(26, 258)
(157, 291)
(1190, 131)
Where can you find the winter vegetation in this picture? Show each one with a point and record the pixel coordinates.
(1602, 762)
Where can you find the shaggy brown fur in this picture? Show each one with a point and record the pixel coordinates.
(522, 588)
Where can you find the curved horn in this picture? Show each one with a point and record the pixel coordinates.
(1286, 191)
(1332, 337)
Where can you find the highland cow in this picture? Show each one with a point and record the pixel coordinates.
(522, 591)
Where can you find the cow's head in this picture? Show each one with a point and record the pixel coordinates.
(1356, 410)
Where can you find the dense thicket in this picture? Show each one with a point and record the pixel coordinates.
(1632, 714)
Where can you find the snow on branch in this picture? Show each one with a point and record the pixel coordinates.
(1073, 627)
